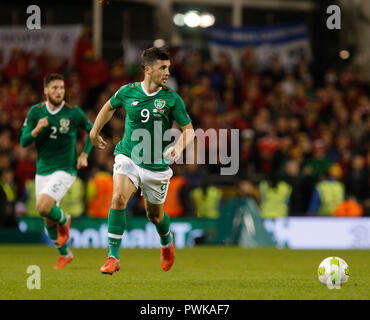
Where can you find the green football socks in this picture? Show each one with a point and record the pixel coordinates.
(56, 214)
(117, 225)
(116, 228)
(63, 250)
(53, 234)
(163, 229)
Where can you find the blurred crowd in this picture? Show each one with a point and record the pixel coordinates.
(304, 148)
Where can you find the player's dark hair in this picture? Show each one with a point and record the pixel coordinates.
(150, 55)
(51, 77)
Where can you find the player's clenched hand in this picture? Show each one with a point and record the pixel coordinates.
(97, 141)
(82, 160)
(172, 154)
(42, 123)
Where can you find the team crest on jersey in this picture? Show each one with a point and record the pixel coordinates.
(64, 125)
(159, 103)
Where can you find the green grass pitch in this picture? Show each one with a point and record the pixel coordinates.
(199, 273)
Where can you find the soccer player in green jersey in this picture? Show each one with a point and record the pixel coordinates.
(53, 125)
(151, 108)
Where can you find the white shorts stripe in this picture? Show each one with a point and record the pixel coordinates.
(114, 236)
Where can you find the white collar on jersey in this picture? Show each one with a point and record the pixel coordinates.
(54, 111)
(149, 94)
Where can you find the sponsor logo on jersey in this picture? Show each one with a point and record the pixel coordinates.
(159, 103)
(156, 113)
(64, 125)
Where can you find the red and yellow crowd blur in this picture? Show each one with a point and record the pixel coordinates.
(292, 131)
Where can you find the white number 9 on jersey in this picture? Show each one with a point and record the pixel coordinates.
(145, 114)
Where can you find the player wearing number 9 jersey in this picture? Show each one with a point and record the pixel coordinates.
(53, 126)
(153, 113)
(140, 157)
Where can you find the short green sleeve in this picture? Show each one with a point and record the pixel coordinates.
(117, 100)
(179, 112)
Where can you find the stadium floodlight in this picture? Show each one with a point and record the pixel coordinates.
(159, 43)
(344, 54)
(178, 19)
(207, 20)
(192, 19)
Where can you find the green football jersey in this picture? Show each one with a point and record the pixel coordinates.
(148, 117)
(56, 143)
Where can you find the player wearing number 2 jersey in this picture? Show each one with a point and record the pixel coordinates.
(53, 126)
(140, 157)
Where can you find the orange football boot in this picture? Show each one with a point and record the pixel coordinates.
(63, 261)
(168, 256)
(111, 266)
(63, 232)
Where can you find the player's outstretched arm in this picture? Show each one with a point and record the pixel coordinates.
(104, 115)
(187, 136)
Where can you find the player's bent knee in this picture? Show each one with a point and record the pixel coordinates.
(119, 201)
(44, 207)
(153, 218)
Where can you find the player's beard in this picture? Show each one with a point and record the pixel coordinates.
(160, 83)
(54, 102)
(158, 80)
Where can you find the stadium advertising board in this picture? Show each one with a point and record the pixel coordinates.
(89, 232)
(320, 232)
(291, 232)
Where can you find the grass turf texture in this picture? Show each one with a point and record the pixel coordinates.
(225, 273)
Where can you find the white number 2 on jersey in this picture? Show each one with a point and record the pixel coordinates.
(53, 132)
(145, 114)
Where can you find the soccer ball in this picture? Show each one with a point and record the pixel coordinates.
(333, 272)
